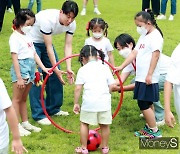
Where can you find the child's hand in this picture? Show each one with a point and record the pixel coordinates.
(169, 119)
(47, 71)
(76, 108)
(70, 76)
(20, 83)
(17, 147)
(117, 69)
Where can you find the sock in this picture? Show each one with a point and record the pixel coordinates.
(155, 129)
(25, 122)
(95, 6)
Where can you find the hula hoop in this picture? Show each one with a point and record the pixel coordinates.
(43, 88)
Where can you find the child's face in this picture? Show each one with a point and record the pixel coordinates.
(97, 32)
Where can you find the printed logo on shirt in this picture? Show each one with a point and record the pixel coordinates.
(30, 44)
(142, 46)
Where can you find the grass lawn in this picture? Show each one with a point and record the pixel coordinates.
(119, 14)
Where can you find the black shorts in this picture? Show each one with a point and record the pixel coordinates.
(144, 105)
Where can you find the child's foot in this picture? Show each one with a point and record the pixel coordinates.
(81, 150)
(26, 125)
(146, 132)
(105, 150)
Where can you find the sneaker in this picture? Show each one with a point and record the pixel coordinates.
(26, 125)
(97, 11)
(83, 12)
(22, 131)
(161, 17)
(44, 121)
(62, 113)
(171, 17)
(160, 123)
(146, 132)
(9, 10)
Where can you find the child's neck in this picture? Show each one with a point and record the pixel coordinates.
(92, 58)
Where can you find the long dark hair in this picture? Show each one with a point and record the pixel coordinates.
(148, 15)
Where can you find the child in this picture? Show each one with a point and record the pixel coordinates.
(99, 28)
(172, 82)
(23, 68)
(7, 110)
(146, 52)
(97, 81)
(125, 44)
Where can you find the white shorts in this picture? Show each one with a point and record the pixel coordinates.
(4, 150)
(95, 118)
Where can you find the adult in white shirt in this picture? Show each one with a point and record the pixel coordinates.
(48, 23)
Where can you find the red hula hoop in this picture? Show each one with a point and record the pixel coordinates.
(43, 88)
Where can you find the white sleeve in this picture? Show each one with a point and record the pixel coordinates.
(13, 44)
(45, 27)
(80, 77)
(109, 46)
(5, 101)
(110, 78)
(72, 28)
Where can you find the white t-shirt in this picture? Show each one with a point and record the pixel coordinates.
(95, 78)
(164, 63)
(47, 22)
(173, 76)
(146, 45)
(5, 102)
(22, 45)
(104, 45)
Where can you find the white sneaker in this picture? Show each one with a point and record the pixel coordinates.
(22, 131)
(9, 10)
(44, 121)
(62, 113)
(83, 12)
(160, 123)
(26, 125)
(161, 17)
(97, 11)
(171, 17)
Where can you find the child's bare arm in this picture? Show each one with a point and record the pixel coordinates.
(17, 145)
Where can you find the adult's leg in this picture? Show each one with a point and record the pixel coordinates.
(155, 7)
(31, 3)
(38, 5)
(173, 7)
(9, 4)
(3, 4)
(16, 5)
(163, 6)
(145, 4)
(35, 91)
(54, 88)
(105, 131)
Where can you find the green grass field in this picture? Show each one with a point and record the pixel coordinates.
(119, 14)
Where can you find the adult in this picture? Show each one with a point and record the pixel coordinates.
(96, 11)
(48, 23)
(155, 6)
(3, 5)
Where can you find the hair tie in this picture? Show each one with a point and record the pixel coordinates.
(13, 27)
(87, 26)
